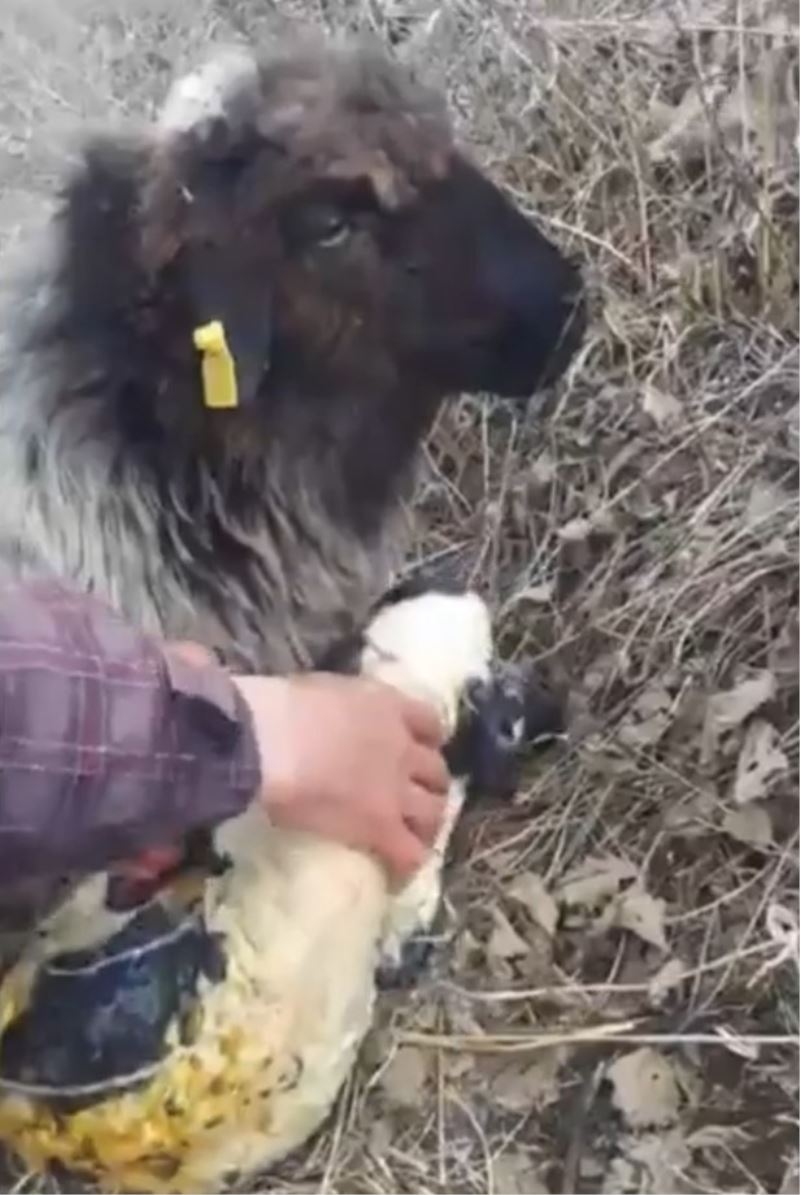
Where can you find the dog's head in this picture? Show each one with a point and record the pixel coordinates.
(313, 207)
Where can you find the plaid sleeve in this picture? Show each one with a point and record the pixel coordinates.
(107, 744)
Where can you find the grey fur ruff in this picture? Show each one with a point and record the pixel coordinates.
(92, 517)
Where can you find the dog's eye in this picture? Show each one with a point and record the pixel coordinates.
(325, 226)
(335, 232)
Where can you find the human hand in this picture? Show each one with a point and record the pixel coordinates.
(350, 759)
(192, 652)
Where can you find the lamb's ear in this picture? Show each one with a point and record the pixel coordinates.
(223, 289)
(545, 710)
(208, 135)
(448, 575)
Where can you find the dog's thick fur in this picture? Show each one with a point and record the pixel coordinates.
(363, 269)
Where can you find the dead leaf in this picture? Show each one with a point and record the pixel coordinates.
(761, 762)
(781, 924)
(403, 1080)
(455, 1066)
(537, 595)
(782, 927)
(729, 709)
(502, 862)
(741, 1046)
(643, 915)
(604, 519)
(591, 1167)
(677, 124)
(785, 648)
(576, 530)
(540, 595)
(765, 501)
(381, 1136)
(465, 950)
(750, 824)
(622, 1176)
(595, 879)
(528, 890)
(648, 719)
(608, 888)
(461, 1015)
(646, 1090)
(603, 670)
(692, 816)
(777, 546)
(716, 1136)
(667, 977)
(520, 1088)
(662, 407)
(706, 113)
(648, 1163)
(543, 469)
(504, 941)
(513, 1173)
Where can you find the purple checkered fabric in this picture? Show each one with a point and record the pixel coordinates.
(108, 743)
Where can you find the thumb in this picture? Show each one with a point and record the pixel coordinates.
(191, 652)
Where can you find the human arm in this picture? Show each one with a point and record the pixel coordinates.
(111, 742)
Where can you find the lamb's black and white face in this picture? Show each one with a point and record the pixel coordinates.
(437, 643)
(317, 205)
(502, 716)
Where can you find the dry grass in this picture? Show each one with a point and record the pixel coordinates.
(638, 538)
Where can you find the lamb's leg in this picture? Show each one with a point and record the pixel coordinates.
(408, 936)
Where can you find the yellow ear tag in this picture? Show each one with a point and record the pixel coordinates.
(218, 368)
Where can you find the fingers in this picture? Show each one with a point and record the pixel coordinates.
(403, 854)
(423, 813)
(192, 653)
(424, 722)
(427, 768)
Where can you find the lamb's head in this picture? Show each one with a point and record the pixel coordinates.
(437, 644)
(316, 205)
(432, 645)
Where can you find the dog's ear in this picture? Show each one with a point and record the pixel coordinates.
(99, 220)
(215, 103)
(208, 179)
(210, 139)
(133, 239)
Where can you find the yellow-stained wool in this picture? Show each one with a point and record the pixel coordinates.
(304, 923)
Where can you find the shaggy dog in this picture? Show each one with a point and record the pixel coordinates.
(214, 381)
(314, 206)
